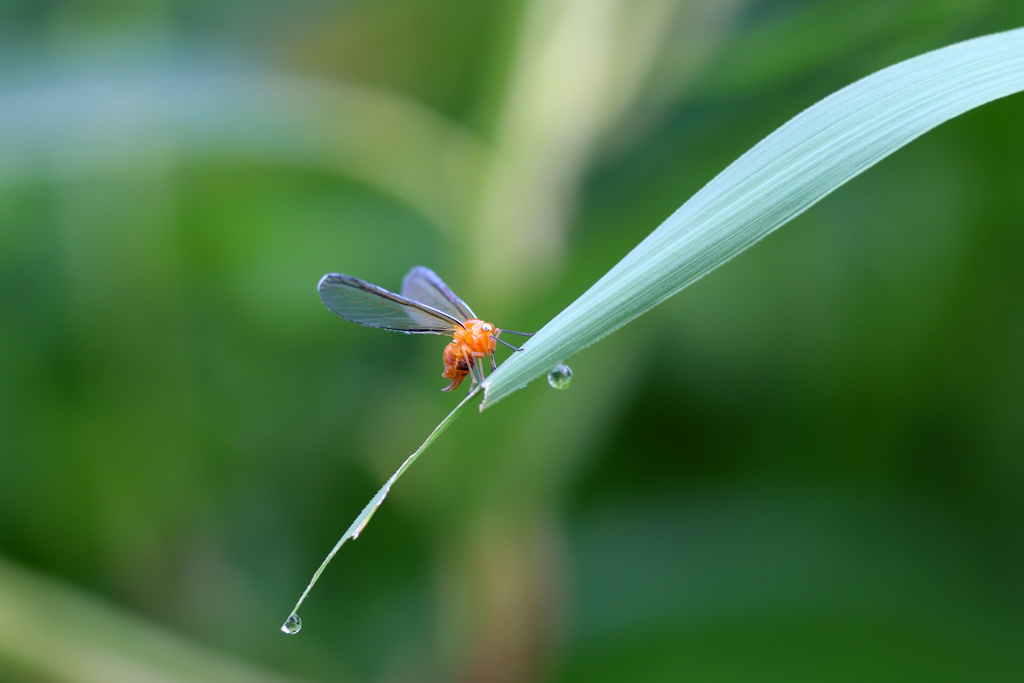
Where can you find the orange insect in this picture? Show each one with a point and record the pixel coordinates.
(425, 306)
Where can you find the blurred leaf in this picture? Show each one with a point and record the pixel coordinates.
(118, 124)
(94, 643)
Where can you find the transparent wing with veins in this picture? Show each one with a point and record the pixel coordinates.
(367, 304)
(423, 285)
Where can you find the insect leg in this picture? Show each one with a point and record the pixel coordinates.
(479, 366)
(480, 369)
(468, 359)
(494, 366)
(502, 341)
(521, 334)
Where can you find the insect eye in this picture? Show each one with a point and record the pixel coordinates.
(487, 327)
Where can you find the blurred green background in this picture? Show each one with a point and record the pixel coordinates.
(807, 467)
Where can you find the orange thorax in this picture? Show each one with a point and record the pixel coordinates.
(469, 343)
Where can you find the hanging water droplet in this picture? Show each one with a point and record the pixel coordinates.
(292, 625)
(560, 377)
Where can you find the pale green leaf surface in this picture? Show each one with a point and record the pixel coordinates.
(779, 178)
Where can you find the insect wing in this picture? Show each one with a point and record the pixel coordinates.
(373, 306)
(423, 285)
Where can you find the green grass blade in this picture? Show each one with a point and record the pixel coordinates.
(779, 178)
(363, 519)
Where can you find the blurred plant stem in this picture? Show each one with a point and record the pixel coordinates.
(578, 67)
(501, 588)
(501, 596)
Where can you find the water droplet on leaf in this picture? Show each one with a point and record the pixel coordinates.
(560, 377)
(292, 625)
